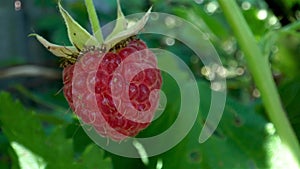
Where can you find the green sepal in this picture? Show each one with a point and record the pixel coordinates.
(78, 36)
(121, 22)
(57, 50)
(120, 33)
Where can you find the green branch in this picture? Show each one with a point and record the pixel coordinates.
(94, 20)
(260, 70)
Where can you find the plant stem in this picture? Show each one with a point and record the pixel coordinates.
(94, 20)
(293, 26)
(260, 70)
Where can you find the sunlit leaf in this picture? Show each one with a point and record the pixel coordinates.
(27, 159)
(24, 128)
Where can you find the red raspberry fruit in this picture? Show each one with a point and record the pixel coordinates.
(115, 92)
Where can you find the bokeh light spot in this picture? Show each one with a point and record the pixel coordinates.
(262, 14)
(212, 7)
(246, 5)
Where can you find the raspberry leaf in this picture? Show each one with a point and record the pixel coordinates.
(57, 50)
(25, 132)
(30, 160)
(78, 36)
(130, 30)
(94, 151)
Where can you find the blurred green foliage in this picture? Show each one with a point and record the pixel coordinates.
(41, 125)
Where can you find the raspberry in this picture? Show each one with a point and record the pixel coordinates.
(117, 96)
(115, 91)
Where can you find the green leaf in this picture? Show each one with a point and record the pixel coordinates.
(204, 22)
(6, 152)
(238, 142)
(26, 134)
(27, 159)
(286, 59)
(78, 36)
(20, 125)
(290, 96)
(93, 157)
(23, 127)
(244, 139)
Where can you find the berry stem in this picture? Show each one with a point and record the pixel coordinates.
(94, 20)
(260, 69)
